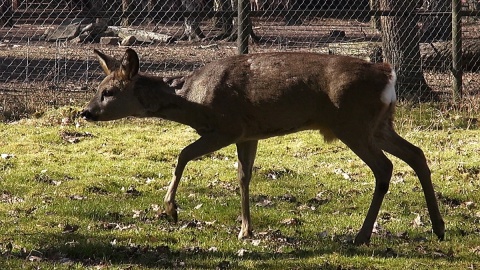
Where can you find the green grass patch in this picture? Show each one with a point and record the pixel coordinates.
(83, 195)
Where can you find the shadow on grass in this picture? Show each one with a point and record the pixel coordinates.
(90, 250)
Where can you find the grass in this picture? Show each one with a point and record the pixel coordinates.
(90, 196)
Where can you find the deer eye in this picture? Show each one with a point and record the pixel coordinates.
(107, 93)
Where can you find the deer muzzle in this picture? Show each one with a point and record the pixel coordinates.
(87, 115)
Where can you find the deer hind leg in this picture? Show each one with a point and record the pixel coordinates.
(204, 145)
(246, 156)
(360, 142)
(392, 143)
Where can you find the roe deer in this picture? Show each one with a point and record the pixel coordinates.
(245, 98)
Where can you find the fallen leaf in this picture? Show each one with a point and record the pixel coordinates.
(7, 156)
(441, 254)
(376, 228)
(315, 202)
(242, 252)
(290, 221)
(403, 235)
(390, 253)
(417, 222)
(109, 225)
(323, 234)
(341, 172)
(70, 228)
(256, 242)
(223, 265)
(33, 258)
(71, 243)
(97, 190)
(264, 203)
(194, 249)
(210, 223)
(155, 207)
(191, 224)
(470, 204)
(77, 197)
(137, 213)
(73, 136)
(7, 197)
(132, 191)
(288, 198)
(276, 174)
(149, 180)
(476, 250)
(66, 261)
(398, 179)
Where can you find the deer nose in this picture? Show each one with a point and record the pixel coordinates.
(87, 115)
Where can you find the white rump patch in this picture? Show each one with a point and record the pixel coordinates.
(388, 95)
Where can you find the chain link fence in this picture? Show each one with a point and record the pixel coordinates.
(46, 46)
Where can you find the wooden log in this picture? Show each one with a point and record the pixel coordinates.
(438, 55)
(141, 35)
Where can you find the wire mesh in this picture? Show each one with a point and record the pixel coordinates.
(46, 46)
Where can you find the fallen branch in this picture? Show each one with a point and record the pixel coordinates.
(141, 35)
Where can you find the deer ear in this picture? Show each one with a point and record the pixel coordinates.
(108, 63)
(130, 64)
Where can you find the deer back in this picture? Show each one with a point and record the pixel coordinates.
(277, 93)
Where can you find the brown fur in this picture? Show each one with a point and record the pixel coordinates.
(245, 98)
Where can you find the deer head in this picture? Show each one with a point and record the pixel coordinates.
(116, 95)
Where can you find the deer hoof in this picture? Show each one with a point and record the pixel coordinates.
(361, 240)
(439, 230)
(245, 234)
(171, 211)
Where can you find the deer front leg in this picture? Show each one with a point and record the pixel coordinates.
(204, 145)
(246, 156)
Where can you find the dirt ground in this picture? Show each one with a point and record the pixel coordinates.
(35, 74)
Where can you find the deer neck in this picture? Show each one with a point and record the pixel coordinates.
(164, 101)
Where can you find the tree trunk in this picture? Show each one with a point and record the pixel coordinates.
(229, 23)
(375, 20)
(437, 27)
(6, 13)
(292, 18)
(225, 22)
(149, 7)
(126, 7)
(400, 48)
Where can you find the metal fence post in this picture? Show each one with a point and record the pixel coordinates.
(457, 49)
(242, 19)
